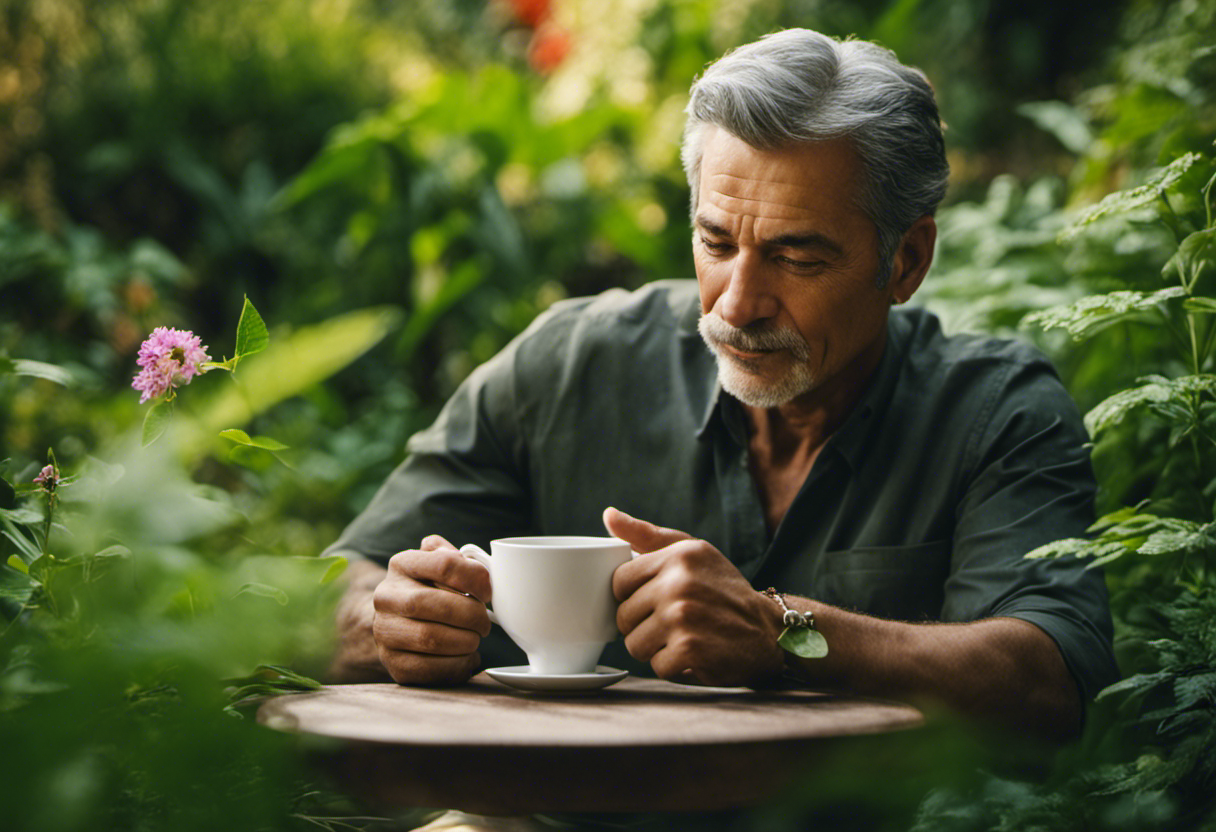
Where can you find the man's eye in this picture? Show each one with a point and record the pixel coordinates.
(714, 246)
(801, 265)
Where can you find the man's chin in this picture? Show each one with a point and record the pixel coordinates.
(756, 390)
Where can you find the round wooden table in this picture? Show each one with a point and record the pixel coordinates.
(642, 745)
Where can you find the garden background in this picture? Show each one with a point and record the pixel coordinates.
(398, 189)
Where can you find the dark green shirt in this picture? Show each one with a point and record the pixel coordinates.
(963, 454)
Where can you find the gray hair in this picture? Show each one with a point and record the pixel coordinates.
(798, 86)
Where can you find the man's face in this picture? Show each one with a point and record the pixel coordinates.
(787, 265)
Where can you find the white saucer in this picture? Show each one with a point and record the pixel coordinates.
(522, 677)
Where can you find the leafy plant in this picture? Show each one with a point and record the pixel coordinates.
(1159, 551)
(123, 605)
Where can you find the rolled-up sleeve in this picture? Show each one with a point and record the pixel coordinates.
(1030, 482)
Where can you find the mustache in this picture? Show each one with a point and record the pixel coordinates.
(758, 337)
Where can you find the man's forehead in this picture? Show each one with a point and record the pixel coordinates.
(788, 184)
(765, 198)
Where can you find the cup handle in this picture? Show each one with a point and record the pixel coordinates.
(474, 552)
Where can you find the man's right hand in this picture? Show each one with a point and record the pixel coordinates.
(427, 616)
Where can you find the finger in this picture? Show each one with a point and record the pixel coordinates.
(629, 577)
(411, 601)
(415, 669)
(433, 542)
(666, 653)
(673, 664)
(645, 639)
(429, 638)
(643, 536)
(443, 567)
(639, 602)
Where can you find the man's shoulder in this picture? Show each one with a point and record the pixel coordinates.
(650, 317)
(976, 380)
(617, 333)
(930, 350)
(663, 302)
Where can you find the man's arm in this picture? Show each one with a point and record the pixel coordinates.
(1001, 670)
(356, 658)
(690, 613)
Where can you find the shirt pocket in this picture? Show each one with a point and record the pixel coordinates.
(905, 583)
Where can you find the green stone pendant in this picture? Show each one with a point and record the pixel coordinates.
(804, 642)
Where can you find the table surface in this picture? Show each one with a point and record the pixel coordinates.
(640, 745)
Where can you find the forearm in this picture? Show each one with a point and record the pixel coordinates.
(356, 658)
(1001, 670)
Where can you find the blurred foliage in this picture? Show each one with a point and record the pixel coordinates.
(400, 189)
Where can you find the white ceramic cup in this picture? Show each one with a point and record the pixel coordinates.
(553, 596)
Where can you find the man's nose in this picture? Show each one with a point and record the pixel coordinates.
(747, 297)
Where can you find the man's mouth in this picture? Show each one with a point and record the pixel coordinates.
(746, 355)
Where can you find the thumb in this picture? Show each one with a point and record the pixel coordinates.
(642, 536)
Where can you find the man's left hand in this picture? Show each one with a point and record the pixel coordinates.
(687, 610)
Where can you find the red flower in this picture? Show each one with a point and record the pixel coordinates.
(531, 13)
(549, 47)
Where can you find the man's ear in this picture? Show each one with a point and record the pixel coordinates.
(912, 259)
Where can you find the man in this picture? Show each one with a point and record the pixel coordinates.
(885, 478)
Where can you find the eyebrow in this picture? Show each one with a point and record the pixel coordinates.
(808, 239)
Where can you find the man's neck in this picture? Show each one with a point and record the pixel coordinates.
(806, 422)
(785, 441)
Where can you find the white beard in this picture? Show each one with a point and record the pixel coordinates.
(737, 377)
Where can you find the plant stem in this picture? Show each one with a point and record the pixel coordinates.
(1173, 223)
(46, 526)
(1207, 199)
(1196, 357)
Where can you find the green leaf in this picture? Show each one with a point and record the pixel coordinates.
(1129, 200)
(285, 676)
(40, 369)
(1196, 255)
(115, 551)
(1177, 541)
(1124, 518)
(251, 333)
(1194, 690)
(25, 515)
(1140, 683)
(264, 442)
(156, 421)
(1202, 306)
(264, 590)
(23, 544)
(1062, 121)
(1077, 547)
(289, 367)
(18, 564)
(464, 278)
(337, 565)
(1094, 313)
(1156, 391)
(804, 642)
(267, 680)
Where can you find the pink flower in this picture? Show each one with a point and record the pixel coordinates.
(169, 357)
(47, 478)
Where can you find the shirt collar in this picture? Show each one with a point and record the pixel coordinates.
(851, 438)
(713, 401)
